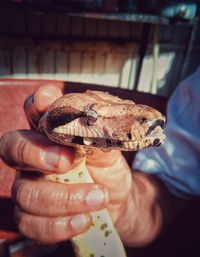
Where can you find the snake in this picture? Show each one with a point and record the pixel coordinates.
(97, 119)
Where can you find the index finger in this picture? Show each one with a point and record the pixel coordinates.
(26, 149)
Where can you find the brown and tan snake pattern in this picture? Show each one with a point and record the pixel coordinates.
(98, 119)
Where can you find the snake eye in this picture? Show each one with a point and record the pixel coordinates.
(92, 116)
(142, 120)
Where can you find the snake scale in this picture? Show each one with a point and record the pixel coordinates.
(98, 119)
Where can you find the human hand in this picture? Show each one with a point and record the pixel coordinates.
(50, 212)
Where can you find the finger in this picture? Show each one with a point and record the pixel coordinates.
(110, 169)
(51, 230)
(45, 96)
(26, 149)
(33, 116)
(37, 197)
(99, 158)
(38, 103)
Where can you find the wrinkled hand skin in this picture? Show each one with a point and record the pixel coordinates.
(50, 212)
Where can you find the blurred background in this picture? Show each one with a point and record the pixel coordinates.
(136, 46)
(147, 46)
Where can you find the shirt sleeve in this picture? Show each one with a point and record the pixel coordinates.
(177, 161)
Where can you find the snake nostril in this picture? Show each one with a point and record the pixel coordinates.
(142, 120)
(156, 142)
(160, 123)
(129, 135)
(156, 123)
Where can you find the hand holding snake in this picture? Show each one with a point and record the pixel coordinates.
(113, 187)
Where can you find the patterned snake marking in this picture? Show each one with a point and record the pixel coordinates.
(98, 119)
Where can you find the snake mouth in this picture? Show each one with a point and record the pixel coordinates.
(153, 136)
(155, 140)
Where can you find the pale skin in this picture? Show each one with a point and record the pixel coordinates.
(49, 212)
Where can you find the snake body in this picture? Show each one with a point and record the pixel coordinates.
(98, 119)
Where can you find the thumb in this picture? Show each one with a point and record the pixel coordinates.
(45, 96)
(99, 158)
(35, 105)
(111, 170)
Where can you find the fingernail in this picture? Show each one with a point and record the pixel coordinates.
(79, 221)
(66, 159)
(45, 96)
(95, 198)
(56, 157)
(50, 157)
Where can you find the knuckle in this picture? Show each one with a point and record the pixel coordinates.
(23, 194)
(38, 228)
(37, 196)
(6, 146)
(74, 200)
(22, 221)
(17, 191)
(21, 150)
(48, 229)
(66, 200)
(53, 229)
(13, 148)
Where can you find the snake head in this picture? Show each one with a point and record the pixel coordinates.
(98, 119)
